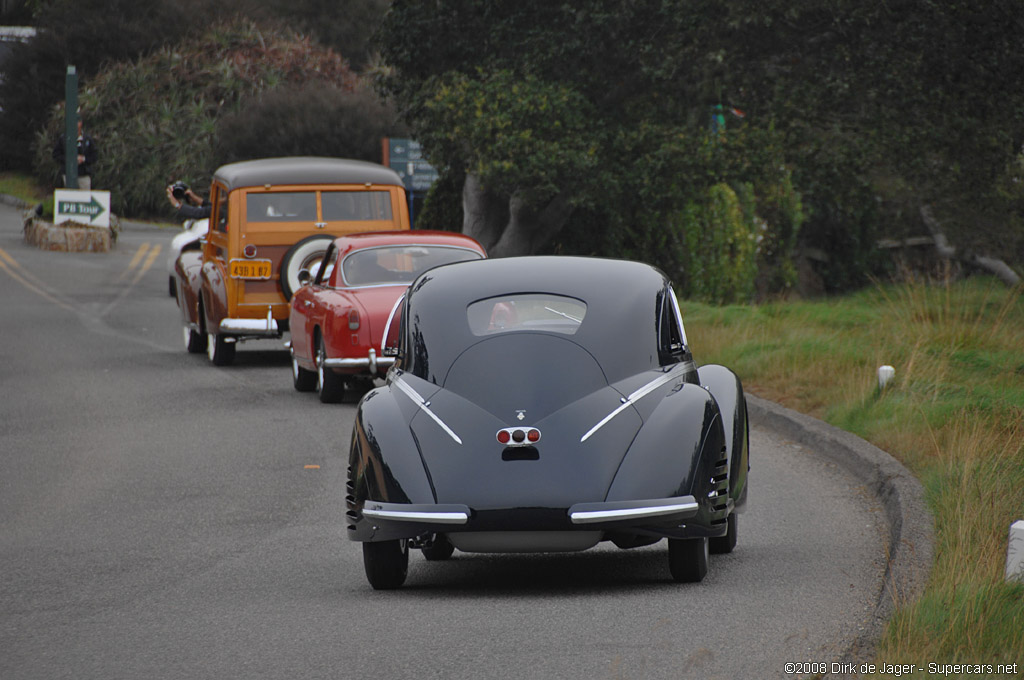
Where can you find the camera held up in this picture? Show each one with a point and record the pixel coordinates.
(178, 190)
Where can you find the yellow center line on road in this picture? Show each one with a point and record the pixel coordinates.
(150, 259)
(153, 254)
(139, 254)
(11, 266)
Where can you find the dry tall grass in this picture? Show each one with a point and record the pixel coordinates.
(954, 416)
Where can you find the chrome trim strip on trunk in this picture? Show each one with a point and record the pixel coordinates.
(685, 504)
(422, 404)
(673, 374)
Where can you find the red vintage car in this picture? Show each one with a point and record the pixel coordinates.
(339, 317)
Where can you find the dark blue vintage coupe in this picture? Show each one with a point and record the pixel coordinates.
(542, 404)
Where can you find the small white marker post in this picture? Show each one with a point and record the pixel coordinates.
(885, 374)
(1015, 552)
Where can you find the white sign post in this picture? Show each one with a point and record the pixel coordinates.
(91, 208)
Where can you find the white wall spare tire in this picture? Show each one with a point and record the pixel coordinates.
(306, 254)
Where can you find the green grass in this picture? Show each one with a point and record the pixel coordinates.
(22, 186)
(954, 415)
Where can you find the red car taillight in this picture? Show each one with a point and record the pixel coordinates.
(518, 436)
(353, 320)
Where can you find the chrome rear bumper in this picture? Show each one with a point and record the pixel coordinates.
(370, 362)
(254, 327)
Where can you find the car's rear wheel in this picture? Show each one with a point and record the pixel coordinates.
(220, 352)
(360, 386)
(304, 380)
(688, 559)
(386, 563)
(195, 343)
(440, 549)
(329, 384)
(306, 254)
(725, 544)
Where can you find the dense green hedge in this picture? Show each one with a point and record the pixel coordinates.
(238, 92)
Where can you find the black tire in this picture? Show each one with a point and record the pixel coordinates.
(220, 352)
(724, 544)
(306, 254)
(172, 287)
(688, 559)
(302, 379)
(386, 564)
(195, 343)
(440, 549)
(329, 384)
(359, 387)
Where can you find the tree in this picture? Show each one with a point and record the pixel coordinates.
(898, 104)
(532, 101)
(157, 118)
(879, 106)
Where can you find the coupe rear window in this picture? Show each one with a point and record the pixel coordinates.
(398, 264)
(356, 205)
(281, 206)
(526, 312)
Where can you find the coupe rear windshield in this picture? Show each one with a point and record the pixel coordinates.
(526, 312)
(398, 264)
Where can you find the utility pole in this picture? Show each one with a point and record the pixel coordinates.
(71, 129)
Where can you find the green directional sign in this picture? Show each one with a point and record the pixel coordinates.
(92, 209)
(86, 207)
(405, 157)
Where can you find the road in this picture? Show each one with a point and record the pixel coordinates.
(162, 518)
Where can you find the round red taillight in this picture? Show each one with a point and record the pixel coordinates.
(518, 436)
(503, 436)
(533, 435)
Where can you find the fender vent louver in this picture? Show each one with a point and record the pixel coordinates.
(719, 494)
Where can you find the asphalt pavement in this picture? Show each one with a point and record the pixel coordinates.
(163, 518)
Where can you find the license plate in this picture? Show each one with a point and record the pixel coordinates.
(250, 269)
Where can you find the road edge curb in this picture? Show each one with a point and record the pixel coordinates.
(911, 540)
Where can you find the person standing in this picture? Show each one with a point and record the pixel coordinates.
(87, 154)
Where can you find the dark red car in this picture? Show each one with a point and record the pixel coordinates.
(339, 317)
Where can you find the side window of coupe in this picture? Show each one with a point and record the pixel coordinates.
(671, 336)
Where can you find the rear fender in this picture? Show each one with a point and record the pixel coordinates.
(403, 479)
(675, 452)
(728, 392)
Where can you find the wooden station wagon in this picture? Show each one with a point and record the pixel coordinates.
(271, 220)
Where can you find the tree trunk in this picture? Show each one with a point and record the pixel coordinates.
(990, 264)
(483, 213)
(525, 229)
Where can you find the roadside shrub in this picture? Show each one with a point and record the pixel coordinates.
(442, 208)
(842, 216)
(310, 119)
(719, 237)
(155, 119)
(83, 33)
